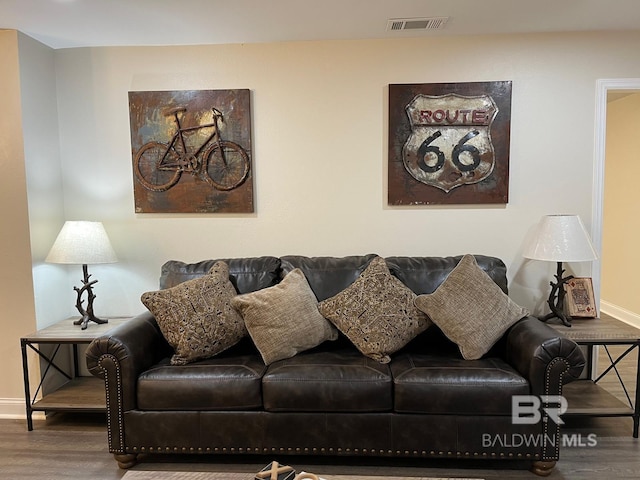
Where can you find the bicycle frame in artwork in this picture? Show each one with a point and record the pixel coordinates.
(224, 165)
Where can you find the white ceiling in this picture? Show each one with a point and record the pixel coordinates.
(84, 23)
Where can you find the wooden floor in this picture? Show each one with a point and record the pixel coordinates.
(72, 447)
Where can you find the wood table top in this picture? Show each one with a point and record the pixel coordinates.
(604, 329)
(66, 332)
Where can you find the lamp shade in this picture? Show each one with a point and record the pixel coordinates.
(82, 243)
(560, 238)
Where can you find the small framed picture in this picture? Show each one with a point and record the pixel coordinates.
(579, 300)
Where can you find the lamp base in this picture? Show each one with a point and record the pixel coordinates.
(86, 313)
(556, 298)
(84, 321)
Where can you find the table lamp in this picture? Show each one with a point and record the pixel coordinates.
(83, 243)
(560, 238)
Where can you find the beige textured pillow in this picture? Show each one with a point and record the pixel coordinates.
(376, 312)
(196, 317)
(470, 309)
(283, 320)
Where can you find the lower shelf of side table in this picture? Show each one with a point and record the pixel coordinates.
(81, 394)
(588, 398)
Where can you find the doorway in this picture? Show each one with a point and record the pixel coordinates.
(606, 90)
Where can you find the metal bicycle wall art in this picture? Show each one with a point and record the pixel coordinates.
(449, 143)
(206, 134)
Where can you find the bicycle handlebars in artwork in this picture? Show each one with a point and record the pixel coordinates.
(203, 133)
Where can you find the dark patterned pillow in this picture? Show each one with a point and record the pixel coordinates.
(376, 312)
(196, 317)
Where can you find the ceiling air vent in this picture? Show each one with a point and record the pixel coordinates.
(431, 23)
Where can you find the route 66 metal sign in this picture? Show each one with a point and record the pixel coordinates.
(449, 143)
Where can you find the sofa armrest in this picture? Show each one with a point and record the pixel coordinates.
(120, 355)
(543, 355)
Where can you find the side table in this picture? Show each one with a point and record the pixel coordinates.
(80, 394)
(585, 397)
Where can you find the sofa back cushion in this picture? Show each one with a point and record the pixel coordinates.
(246, 274)
(425, 274)
(328, 276)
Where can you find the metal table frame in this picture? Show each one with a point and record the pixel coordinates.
(585, 396)
(79, 394)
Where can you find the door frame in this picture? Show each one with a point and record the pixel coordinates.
(602, 89)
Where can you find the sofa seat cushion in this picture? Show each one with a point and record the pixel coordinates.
(219, 383)
(327, 381)
(436, 384)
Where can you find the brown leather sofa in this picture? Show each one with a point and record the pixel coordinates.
(427, 402)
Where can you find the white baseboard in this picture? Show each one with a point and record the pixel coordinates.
(620, 313)
(14, 408)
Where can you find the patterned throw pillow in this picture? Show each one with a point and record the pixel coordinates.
(283, 320)
(376, 312)
(470, 309)
(196, 317)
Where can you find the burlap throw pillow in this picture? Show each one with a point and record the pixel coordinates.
(470, 309)
(196, 317)
(376, 312)
(283, 320)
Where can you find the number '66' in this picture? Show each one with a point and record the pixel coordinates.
(426, 148)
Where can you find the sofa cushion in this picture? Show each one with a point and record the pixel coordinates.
(226, 382)
(425, 274)
(196, 317)
(322, 381)
(246, 274)
(471, 309)
(283, 320)
(328, 276)
(441, 384)
(376, 312)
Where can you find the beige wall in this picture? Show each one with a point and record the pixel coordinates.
(17, 316)
(320, 138)
(621, 226)
(320, 141)
(43, 175)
